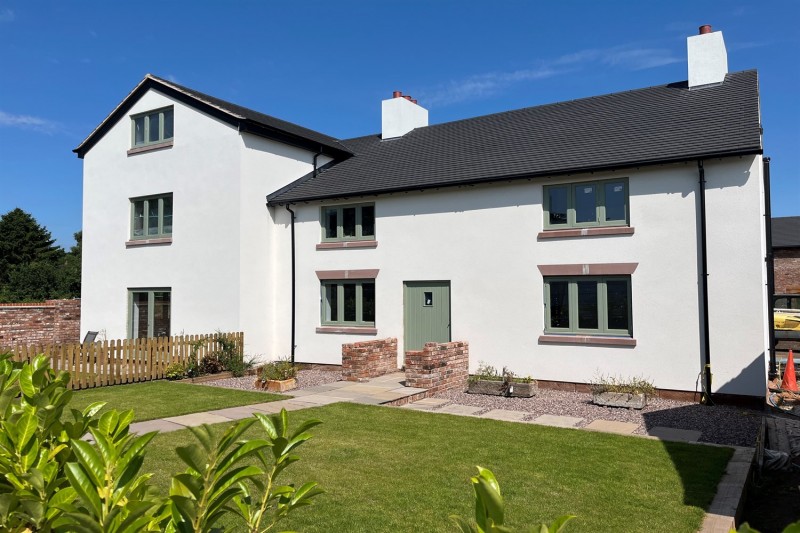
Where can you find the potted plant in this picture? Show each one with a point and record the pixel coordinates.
(487, 380)
(621, 392)
(277, 376)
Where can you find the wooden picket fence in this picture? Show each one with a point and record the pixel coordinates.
(115, 362)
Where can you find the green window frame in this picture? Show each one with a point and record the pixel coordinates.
(149, 312)
(355, 222)
(587, 204)
(151, 217)
(152, 127)
(588, 305)
(347, 302)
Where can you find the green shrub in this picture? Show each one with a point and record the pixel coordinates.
(278, 370)
(175, 371)
(52, 480)
(634, 385)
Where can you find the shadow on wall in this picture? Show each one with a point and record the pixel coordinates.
(751, 381)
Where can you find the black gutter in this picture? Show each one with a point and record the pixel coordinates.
(293, 284)
(272, 199)
(770, 260)
(703, 279)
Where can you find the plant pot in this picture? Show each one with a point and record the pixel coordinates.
(498, 388)
(276, 385)
(620, 399)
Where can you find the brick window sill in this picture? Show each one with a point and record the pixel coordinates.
(587, 339)
(147, 242)
(348, 330)
(584, 232)
(150, 147)
(346, 244)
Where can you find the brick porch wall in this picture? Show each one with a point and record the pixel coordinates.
(49, 322)
(787, 270)
(438, 367)
(369, 359)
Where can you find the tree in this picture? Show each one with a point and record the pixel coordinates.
(32, 267)
(23, 240)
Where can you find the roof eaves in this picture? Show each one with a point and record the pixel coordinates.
(274, 198)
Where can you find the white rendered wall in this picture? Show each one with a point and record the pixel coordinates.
(399, 116)
(201, 265)
(484, 241)
(707, 58)
(265, 248)
(219, 265)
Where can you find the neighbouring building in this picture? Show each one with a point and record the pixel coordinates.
(596, 236)
(786, 253)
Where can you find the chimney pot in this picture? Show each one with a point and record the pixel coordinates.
(705, 28)
(407, 97)
(397, 94)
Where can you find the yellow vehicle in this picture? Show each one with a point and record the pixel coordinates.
(786, 315)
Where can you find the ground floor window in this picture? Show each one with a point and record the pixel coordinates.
(588, 305)
(149, 312)
(348, 302)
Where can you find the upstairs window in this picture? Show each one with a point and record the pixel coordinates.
(152, 127)
(348, 222)
(151, 217)
(586, 204)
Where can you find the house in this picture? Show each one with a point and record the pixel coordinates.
(594, 236)
(786, 252)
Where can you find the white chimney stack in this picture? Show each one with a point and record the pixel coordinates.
(708, 59)
(401, 114)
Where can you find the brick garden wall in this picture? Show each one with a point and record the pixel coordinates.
(438, 366)
(787, 270)
(369, 359)
(50, 322)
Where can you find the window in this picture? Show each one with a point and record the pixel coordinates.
(151, 217)
(588, 305)
(348, 222)
(586, 204)
(152, 127)
(149, 313)
(348, 302)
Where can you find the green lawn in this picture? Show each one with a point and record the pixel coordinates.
(399, 470)
(159, 399)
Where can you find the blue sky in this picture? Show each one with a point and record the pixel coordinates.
(327, 65)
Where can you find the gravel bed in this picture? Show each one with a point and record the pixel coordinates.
(305, 379)
(718, 424)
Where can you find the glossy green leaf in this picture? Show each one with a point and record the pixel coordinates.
(83, 486)
(90, 460)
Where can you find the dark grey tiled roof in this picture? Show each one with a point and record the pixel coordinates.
(645, 126)
(786, 232)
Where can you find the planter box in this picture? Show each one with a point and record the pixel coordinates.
(273, 385)
(496, 388)
(620, 399)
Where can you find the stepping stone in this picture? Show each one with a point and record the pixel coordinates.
(154, 425)
(321, 399)
(417, 407)
(431, 401)
(366, 400)
(679, 435)
(408, 391)
(611, 426)
(463, 410)
(197, 419)
(269, 407)
(558, 421)
(363, 389)
(503, 414)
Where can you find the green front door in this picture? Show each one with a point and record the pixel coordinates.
(426, 312)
